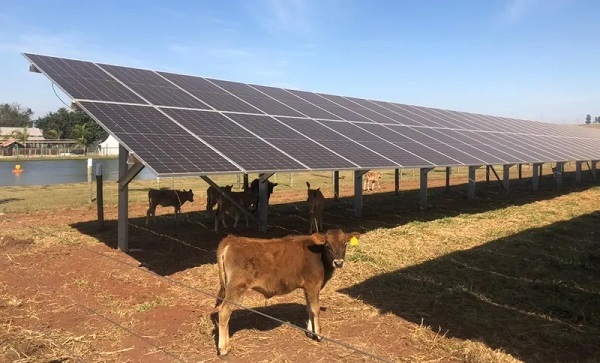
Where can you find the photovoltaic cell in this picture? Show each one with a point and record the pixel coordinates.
(312, 154)
(396, 153)
(329, 106)
(210, 94)
(158, 141)
(257, 99)
(266, 126)
(311, 129)
(361, 110)
(351, 131)
(153, 87)
(296, 103)
(84, 80)
(206, 123)
(254, 154)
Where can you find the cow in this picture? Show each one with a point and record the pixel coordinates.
(316, 206)
(244, 199)
(370, 179)
(166, 198)
(212, 196)
(277, 267)
(255, 193)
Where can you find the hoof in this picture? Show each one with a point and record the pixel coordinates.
(223, 352)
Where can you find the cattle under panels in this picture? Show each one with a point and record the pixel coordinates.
(179, 125)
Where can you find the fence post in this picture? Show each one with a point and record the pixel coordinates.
(89, 179)
(99, 195)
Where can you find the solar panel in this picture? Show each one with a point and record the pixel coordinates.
(83, 80)
(180, 124)
(257, 99)
(153, 87)
(210, 94)
(297, 103)
(160, 143)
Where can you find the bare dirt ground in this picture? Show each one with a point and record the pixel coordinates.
(67, 295)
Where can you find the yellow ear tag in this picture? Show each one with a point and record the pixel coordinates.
(353, 241)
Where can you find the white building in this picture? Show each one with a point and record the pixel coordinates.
(110, 146)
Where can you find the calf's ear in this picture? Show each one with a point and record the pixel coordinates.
(318, 238)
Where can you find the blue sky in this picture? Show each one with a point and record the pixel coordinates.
(533, 59)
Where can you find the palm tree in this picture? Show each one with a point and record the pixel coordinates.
(54, 134)
(82, 135)
(21, 136)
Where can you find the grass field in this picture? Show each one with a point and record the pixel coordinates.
(502, 278)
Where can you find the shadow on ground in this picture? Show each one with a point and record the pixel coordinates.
(166, 249)
(535, 294)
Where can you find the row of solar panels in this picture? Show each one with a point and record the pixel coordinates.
(180, 124)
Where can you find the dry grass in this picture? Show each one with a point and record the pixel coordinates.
(493, 280)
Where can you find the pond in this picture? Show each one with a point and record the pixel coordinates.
(45, 172)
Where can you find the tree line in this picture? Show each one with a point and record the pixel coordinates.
(588, 119)
(61, 124)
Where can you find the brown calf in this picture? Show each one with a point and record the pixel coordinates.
(316, 206)
(166, 198)
(277, 267)
(244, 199)
(212, 196)
(370, 179)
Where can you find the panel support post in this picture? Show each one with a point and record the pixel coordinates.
(558, 173)
(448, 173)
(263, 205)
(578, 171)
(123, 227)
(520, 171)
(336, 185)
(535, 178)
(397, 181)
(593, 169)
(506, 177)
(423, 198)
(471, 192)
(358, 174)
(487, 175)
(245, 182)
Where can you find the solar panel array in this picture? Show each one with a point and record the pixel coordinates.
(179, 124)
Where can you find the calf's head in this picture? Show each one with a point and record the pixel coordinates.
(335, 242)
(312, 193)
(188, 195)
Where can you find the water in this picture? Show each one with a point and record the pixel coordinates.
(60, 172)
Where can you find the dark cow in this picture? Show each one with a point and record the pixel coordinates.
(166, 198)
(277, 267)
(212, 196)
(244, 199)
(255, 194)
(316, 208)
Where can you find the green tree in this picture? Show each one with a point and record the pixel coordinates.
(83, 135)
(14, 115)
(597, 119)
(63, 122)
(53, 134)
(588, 119)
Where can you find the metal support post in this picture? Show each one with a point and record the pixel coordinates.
(263, 205)
(487, 175)
(506, 177)
(245, 182)
(123, 226)
(593, 169)
(448, 173)
(397, 181)
(578, 171)
(358, 174)
(471, 192)
(535, 178)
(520, 171)
(336, 185)
(558, 173)
(423, 176)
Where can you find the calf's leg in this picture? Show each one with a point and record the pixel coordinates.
(312, 306)
(231, 296)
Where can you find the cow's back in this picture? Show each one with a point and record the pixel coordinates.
(272, 267)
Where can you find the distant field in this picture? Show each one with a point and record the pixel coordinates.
(498, 279)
